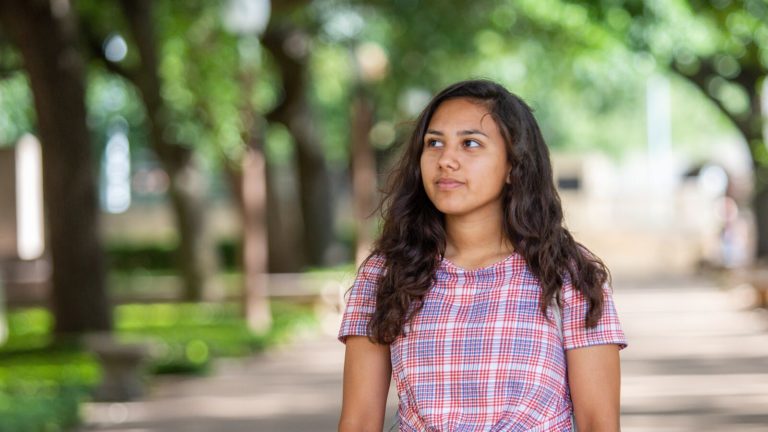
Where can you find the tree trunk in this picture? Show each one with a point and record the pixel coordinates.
(251, 193)
(249, 184)
(284, 225)
(196, 251)
(750, 125)
(294, 112)
(756, 135)
(364, 184)
(45, 33)
(760, 206)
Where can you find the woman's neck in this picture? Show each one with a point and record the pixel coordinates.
(477, 241)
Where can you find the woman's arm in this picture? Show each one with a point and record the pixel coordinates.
(367, 372)
(595, 379)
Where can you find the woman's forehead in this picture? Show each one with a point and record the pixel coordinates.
(462, 114)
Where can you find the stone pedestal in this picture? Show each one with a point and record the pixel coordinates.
(122, 367)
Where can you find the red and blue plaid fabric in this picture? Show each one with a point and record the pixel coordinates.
(480, 356)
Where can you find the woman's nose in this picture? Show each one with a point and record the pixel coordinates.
(448, 159)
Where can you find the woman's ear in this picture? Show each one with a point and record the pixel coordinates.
(509, 176)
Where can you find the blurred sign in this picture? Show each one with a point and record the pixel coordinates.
(21, 201)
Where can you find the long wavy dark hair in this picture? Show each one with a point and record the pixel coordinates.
(413, 238)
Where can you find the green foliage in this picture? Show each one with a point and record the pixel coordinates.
(332, 71)
(568, 59)
(131, 257)
(40, 408)
(583, 66)
(566, 66)
(187, 336)
(720, 45)
(279, 148)
(128, 257)
(16, 109)
(28, 329)
(204, 70)
(41, 386)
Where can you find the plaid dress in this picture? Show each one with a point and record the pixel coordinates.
(480, 356)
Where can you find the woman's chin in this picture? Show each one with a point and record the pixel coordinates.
(451, 210)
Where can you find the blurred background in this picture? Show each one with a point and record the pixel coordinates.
(186, 188)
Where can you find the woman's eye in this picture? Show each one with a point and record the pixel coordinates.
(433, 143)
(471, 143)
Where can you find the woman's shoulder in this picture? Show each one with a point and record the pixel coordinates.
(373, 264)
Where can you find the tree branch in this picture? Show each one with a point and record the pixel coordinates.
(701, 78)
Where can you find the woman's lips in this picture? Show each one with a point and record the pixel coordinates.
(448, 184)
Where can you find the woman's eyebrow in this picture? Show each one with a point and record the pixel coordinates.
(460, 133)
(472, 132)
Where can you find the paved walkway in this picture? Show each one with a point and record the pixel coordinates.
(697, 361)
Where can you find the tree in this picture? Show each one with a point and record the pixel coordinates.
(196, 254)
(46, 35)
(718, 45)
(288, 40)
(223, 70)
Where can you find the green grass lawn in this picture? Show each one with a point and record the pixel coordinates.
(41, 385)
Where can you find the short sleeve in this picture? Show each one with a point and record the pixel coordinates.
(362, 299)
(575, 306)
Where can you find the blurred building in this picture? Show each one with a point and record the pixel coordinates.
(646, 218)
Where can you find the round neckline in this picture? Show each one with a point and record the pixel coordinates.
(450, 264)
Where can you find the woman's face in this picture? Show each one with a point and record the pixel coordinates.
(464, 160)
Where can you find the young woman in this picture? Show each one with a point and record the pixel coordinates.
(476, 299)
